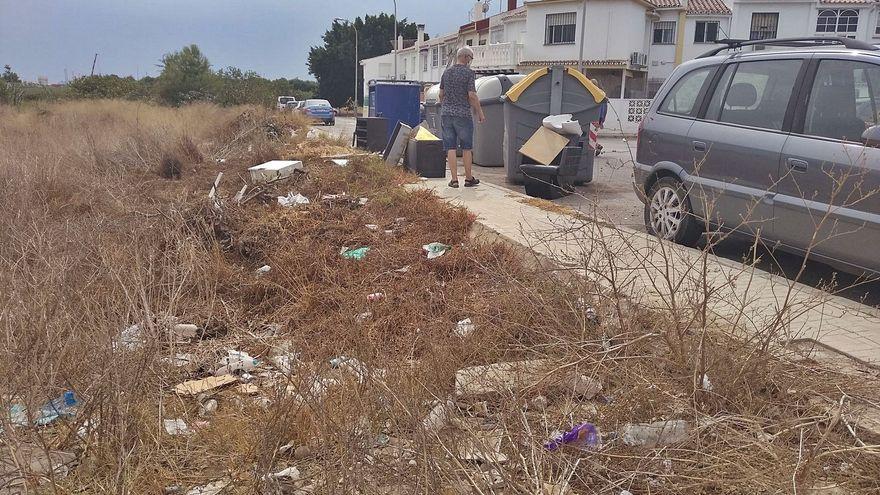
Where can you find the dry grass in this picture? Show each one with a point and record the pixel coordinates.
(95, 240)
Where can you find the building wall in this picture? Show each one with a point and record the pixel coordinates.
(614, 30)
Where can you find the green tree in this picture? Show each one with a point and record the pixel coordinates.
(10, 86)
(236, 87)
(108, 86)
(333, 63)
(186, 77)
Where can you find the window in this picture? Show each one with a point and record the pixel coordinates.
(755, 94)
(435, 56)
(844, 101)
(560, 28)
(423, 61)
(877, 27)
(664, 33)
(842, 22)
(482, 42)
(444, 55)
(683, 96)
(706, 32)
(496, 35)
(764, 25)
(469, 42)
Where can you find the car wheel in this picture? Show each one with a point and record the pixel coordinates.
(668, 213)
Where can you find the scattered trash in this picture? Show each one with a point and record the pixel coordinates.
(312, 134)
(340, 162)
(182, 359)
(355, 254)
(185, 331)
(482, 446)
(363, 201)
(61, 407)
(331, 197)
(130, 339)
(292, 200)
(389, 232)
(372, 226)
(290, 473)
(376, 297)
(625, 492)
(213, 192)
(540, 403)
(655, 434)
(563, 124)
(435, 249)
(465, 328)
(500, 377)
(274, 170)
(404, 269)
(196, 387)
(240, 194)
(263, 270)
(23, 461)
(706, 384)
(248, 389)
(208, 408)
(438, 416)
(582, 436)
(285, 362)
(236, 361)
(360, 318)
(352, 365)
(212, 488)
(176, 427)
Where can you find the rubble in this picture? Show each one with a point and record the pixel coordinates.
(512, 377)
(21, 462)
(292, 200)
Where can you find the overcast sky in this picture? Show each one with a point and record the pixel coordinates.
(272, 37)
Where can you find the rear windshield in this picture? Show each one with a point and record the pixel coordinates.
(317, 103)
(286, 99)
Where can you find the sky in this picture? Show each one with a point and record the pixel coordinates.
(271, 37)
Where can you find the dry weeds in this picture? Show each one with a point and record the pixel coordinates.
(95, 240)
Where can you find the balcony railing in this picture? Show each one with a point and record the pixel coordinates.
(497, 56)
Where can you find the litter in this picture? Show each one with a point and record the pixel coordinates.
(248, 389)
(363, 201)
(404, 269)
(236, 361)
(582, 436)
(263, 270)
(352, 365)
(706, 384)
(544, 146)
(482, 446)
(563, 124)
(465, 328)
(185, 331)
(583, 386)
(290, 473)
(176, 427)
(24, 461)
(240, 194)
(435, 249)
(274, 170)
(285, 362)
(340, 162)
(500, 377)
(655, 434)
(214, 187)
(363, 317)
(212, 488)
(355, 254)
(61, 407)
(372, 226)
(196, 387)
(376, 297)
(331, 197)
(292, 200)
(208, 408)
(438, 416)
(130, 339)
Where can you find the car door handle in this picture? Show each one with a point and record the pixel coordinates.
(797, 165)
(699, 146)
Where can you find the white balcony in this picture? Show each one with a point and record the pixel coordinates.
(498, 56)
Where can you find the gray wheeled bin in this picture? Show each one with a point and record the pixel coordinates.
(548, 91)
(488, 136)
(432, 110)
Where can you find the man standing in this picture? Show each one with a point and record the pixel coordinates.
(458, 104)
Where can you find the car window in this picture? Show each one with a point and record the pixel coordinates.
(755, 94)
(844, 100)
(683, 96)
(315, 103)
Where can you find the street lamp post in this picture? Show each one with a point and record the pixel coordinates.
(353, 26)
(396, 74)
(583, 36)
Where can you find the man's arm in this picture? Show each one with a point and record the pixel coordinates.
(441, 95)
(475, 104)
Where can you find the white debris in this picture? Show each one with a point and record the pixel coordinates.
(236, 361)
(655, 434)
(706, 384)
(438, 416)
(212, 488)
(263, 270)
(465, 328)
(290, 473)
(372, 226)
(176, 427)
(292, 200)
(360, 318)
(274, 170)
(130, 339)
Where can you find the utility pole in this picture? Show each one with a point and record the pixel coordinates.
(396, 74)
(95, 61)
(583, 37)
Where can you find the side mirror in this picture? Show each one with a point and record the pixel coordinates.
(871, 136)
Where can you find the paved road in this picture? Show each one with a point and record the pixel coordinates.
(612, 198)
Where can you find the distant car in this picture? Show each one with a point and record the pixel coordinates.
(320, 110)
(286, 103)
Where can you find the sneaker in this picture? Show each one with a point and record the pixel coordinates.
(454, 184)
(473, 181)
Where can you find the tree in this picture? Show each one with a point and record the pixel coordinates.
(186, 77)
(9, 76)
(333, 63)
(10, 86)
(108, 86)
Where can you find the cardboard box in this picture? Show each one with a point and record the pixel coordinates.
(274, 170)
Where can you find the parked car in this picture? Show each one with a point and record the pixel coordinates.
(320, 110)
(778, 144)
(286, 103)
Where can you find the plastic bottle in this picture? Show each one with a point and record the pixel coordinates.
(655, 434)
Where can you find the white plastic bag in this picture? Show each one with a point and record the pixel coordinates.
(562, 124)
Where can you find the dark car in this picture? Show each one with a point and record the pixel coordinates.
(777, 144)
(320, 110)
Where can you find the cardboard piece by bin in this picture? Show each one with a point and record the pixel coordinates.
(274, 170)
(544, 146)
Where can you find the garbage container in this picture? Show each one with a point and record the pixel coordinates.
(397, 101)
(488, 136)
(425, 156)
(432, 110)
(548, 91)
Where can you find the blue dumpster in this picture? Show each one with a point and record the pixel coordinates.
(397, 101)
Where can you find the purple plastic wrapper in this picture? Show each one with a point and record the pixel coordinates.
(583, 436)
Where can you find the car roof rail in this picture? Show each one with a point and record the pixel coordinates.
(808, 41)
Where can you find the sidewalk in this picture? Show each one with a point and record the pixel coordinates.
(664, 275)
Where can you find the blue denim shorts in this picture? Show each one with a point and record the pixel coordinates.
(458, 131)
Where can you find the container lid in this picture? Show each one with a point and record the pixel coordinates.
(517, 90)
(432, 95)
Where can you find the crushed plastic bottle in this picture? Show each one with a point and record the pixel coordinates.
(582, 436)
(236, 361)
(655, 434)
(435, 249)
(355, 254)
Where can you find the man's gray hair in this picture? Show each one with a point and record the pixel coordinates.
(464, 51)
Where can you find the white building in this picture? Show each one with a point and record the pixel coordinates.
(630, 46)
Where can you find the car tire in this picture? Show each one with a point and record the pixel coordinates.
(668, 213)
